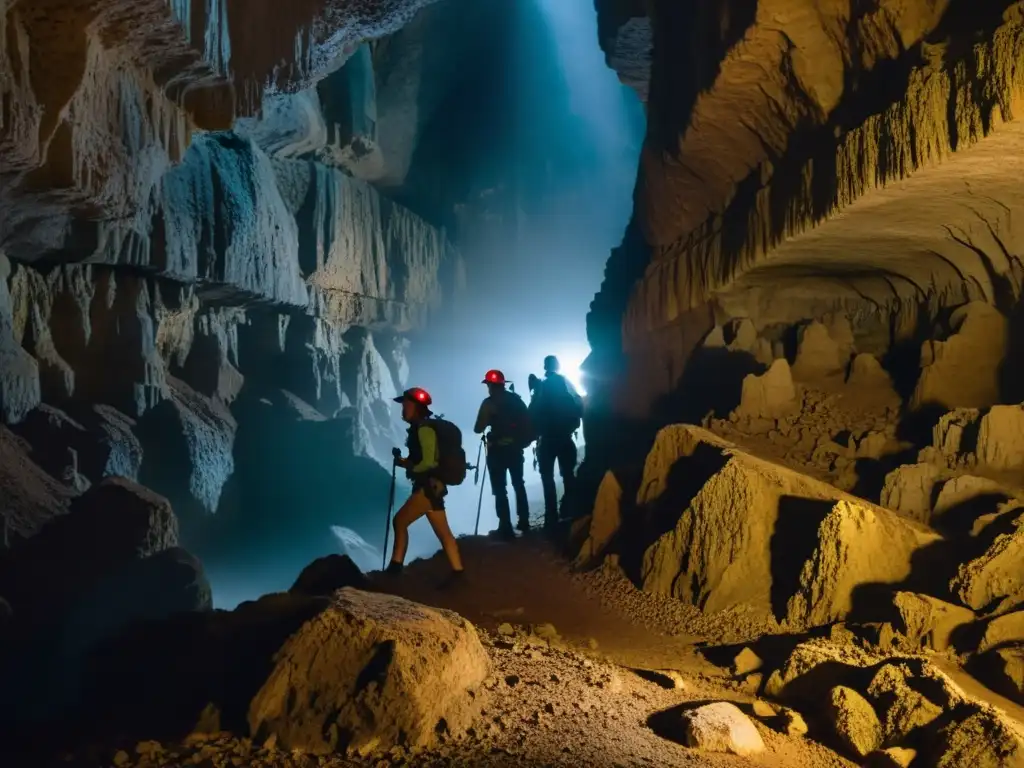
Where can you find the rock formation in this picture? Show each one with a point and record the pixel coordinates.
(866, 175)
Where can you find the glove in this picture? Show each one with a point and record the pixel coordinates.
(396, 454)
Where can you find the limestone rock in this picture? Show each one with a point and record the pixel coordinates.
(854, 721)
(29, 497)
(731, 522)
(902, 709)
(110, 525)
(1001, 438)
(1004, 670)
(893, 757)
(996, 575)
(326, 575)
(928, 621)
(769, 395)
(909, 490)
(963, 371)
(984, 739)
(817, 353)
(1003, 630)
(189, 449)
(867, 373)
(722, 727)
(746, 661)
(967, 492)
(369, 673)
(19, 371)
(955, 434)
(605, 519)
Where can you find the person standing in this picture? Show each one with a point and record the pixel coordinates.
(506, 417)
(556, 411)
(430, 456)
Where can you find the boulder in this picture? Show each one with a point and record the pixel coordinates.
(756, 534)
(1001, 438)
(927, 621)
(909, 490)
(969, 494)
(1003, 670)
(605, 520)
(327, 575)
(902, 708)
(907, 693)
(368, 673)
(817, 353)
(768, 396)
(721, 727)
(1007, 629)
(110, 525)
(867, 373)
(854, 721)
(189, 449)
(29, 497)
(963, 371)
(985, 738)
(955, 434)
(995, 580)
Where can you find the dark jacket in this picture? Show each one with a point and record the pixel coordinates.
(424, 455)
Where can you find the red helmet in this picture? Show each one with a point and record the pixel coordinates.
(494, 376)
(417, 395)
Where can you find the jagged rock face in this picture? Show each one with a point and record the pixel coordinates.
(765, 121)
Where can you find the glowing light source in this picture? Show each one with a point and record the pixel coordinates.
(569, 362)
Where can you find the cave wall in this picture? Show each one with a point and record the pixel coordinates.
(209, 261)
(803, 160)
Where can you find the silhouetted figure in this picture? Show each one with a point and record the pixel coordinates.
(424, 467)
(556, 411)
(506, 417)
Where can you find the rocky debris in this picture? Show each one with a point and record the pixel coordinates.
(722, 727)
(927, 621)
(768, 396)
(29, 497)
(854, 721)
(369, 673)
(326, 575)
(725, 548)
(995, 580)
(817, 354)
(899, 701)
(746, 661)
(963, 370)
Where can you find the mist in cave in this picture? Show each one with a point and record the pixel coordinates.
(528, 164)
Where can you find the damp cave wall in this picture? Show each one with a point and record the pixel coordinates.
(802, 161)
(212, 263)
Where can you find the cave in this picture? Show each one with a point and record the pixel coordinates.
(771, 246)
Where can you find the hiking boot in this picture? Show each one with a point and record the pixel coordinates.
(503, 533)
(523, 526)
(394, 569)
(453, 579)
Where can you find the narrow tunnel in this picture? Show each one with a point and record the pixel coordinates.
(247, 248)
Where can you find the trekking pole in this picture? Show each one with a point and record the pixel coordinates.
(480, 500)
(476, 469)
(391, 507)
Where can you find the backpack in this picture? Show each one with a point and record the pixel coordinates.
(451, 463)
(512, 420)
(560, 412)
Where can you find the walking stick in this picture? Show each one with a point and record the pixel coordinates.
(480, 500)
(391, 507)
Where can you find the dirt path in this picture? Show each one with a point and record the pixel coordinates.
(526, 582)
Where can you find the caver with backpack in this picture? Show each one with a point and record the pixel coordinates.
(436, 460)
(509, 433)
(556, 411)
